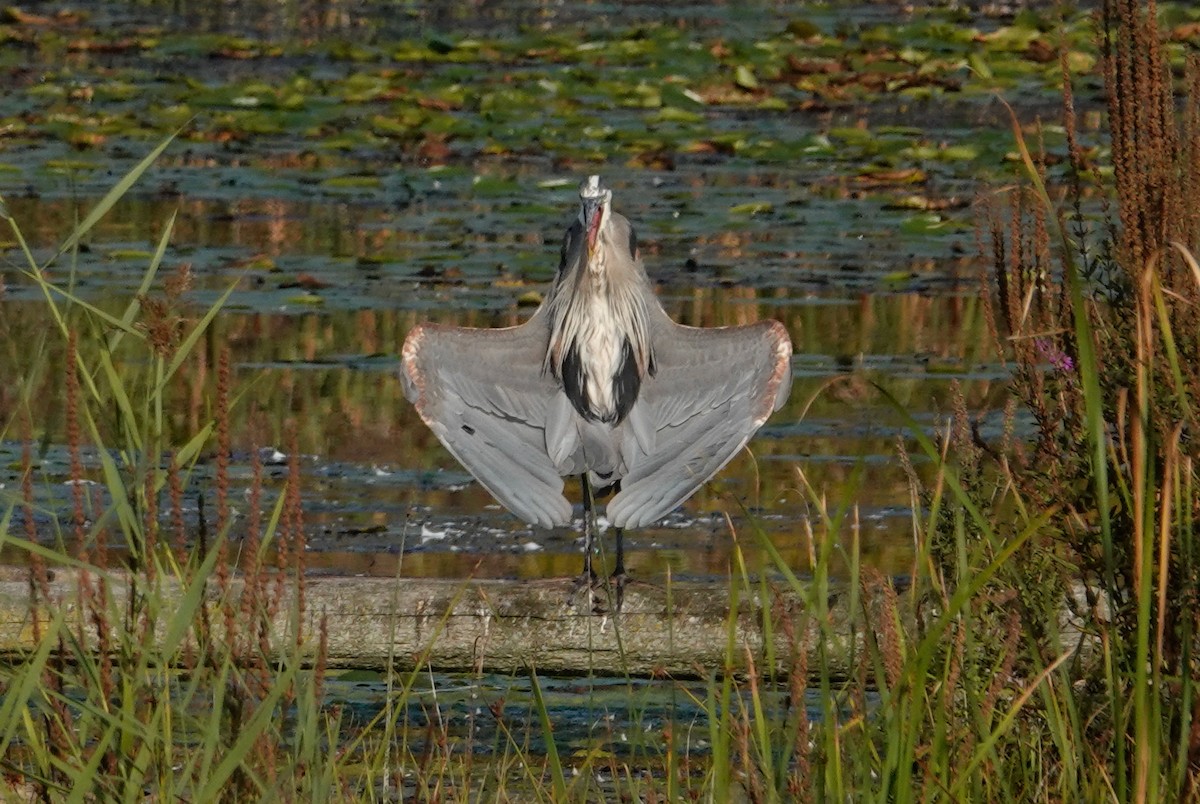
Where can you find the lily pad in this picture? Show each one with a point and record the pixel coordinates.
(752, 208)
(306, 299)
(126, 254)
(352, 182)
(744, 77)
(929, 223)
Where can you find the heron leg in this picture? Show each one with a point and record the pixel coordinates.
(589, 530)
(586, 582)
(618, 573)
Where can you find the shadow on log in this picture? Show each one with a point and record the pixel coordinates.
(501, 626)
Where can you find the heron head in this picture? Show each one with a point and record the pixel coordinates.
(595, 207)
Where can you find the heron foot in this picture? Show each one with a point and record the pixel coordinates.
(617, 581)
(585, 586)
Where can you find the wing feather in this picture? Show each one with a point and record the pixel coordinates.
(483, 393)
(713, 389)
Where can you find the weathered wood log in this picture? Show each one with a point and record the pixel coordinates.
(499, 626)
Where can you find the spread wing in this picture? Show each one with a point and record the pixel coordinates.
(483, 393)
(712, 390)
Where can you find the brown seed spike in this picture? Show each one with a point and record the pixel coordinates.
(223, 445)
(74, 438)
(295, 518)
(175, 486)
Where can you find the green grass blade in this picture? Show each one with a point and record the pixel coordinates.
(17, 697)
(1170, 348)
(84, 785)
(985, 750)
(235, 756)
(185, 612)
(126, 516)
(131, 423)
(135, 302)
(1088, 367)
(50, 291)
(189, 343)
(558, 780)
(112, 197)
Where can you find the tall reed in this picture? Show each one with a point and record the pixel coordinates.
(1101, 324)
(167, 677)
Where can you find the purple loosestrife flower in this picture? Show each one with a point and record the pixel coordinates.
(1060, 360)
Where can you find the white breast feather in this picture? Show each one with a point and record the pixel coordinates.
(600, 353)
(597, 318)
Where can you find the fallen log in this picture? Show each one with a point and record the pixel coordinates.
(678, 629)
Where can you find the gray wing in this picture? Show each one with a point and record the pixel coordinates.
(483, 393)
(712, 390)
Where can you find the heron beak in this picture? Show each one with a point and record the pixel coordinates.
(593, 216)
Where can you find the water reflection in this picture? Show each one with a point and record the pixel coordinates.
(329, 277)
(383, 496)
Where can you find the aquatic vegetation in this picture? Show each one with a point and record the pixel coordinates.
(654, 93)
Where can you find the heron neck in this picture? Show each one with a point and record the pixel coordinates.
(599, 347)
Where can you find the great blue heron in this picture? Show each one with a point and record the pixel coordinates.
(598, 383)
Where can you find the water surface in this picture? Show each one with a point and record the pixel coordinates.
(354, 169)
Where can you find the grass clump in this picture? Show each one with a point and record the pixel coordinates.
(165, 677)
(1099, 317)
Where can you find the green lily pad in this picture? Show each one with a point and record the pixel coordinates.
(72, 165)
(929, 223)
(489, 185)
(672, 114)
(744, 77)
(802, 29)
(752, 208)
(130, 254)
(310, 299)
(979, 66)
(959, 153)
(352, 182)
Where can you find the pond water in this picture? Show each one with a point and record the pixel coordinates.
(356, 171)
(497, 716)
